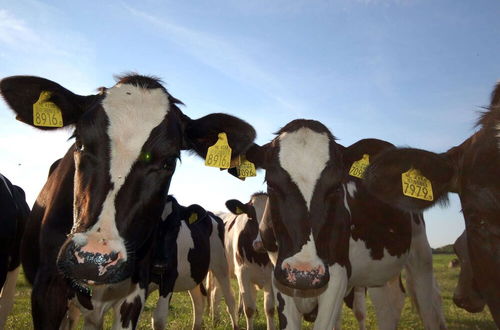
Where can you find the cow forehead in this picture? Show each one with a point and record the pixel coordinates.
(133, 112)
(303, 154)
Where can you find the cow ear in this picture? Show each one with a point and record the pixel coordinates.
(410, 179)
(26, 94)
(202, 133)
(236, 207)
(193, 213)
(357, 156)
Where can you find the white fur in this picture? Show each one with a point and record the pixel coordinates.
(369, 272)
(306, 255)
(304, 154)
(351, 188)
(167, 210)
(184, 244)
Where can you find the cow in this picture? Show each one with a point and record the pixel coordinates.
(327, 233)
(190, 241)
(14, 214)
(252, 269)
(90, 235)
(466, 294)
(471, 170)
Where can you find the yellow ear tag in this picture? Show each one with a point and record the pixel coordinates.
(46, 113)
(193, 218)
(219, 155)
(358, 167)
(238, 210)
(416, 185)
(246, 169)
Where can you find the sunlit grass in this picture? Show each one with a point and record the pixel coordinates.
(180, 316)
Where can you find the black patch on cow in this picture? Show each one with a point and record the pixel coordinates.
(281, 308)
(130, 312)
(349, 299)
(203, 289)
(231, 223)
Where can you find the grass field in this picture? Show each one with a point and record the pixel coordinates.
(180, 314)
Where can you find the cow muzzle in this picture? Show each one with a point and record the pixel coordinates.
(302, 276)
(92, 261)
(470, 304)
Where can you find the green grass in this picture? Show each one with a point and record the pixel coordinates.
(180, 313)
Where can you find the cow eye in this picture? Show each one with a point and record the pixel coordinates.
(79, 146)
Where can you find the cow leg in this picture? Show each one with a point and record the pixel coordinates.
(269, 306)
(388, 301)
(70, 321)
(197, 299)
(214, 297)
(248, 295)
(7, 295)
(53, 287)
(160, 314)
(289, 316)
(330, 301)
(421, 283)
(220, 269)
(359, 306)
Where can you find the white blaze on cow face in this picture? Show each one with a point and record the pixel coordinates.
(304, 154)
(305, 260)
(133, 112)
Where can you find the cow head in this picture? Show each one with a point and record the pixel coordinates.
(127, 141)
(471, 169)
(254, 210)
(309, 220)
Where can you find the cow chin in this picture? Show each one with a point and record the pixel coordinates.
(469, 305)
(84, 268)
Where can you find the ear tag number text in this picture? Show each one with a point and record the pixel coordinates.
(246, 169)
(358, 168)
(416, 185)
(46, 113)
(219, 155)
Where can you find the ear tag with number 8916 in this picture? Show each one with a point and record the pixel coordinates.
(219, 155)
(358, 167)
(416, 185)
(46, 113)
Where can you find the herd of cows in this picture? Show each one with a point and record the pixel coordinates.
(336, 222)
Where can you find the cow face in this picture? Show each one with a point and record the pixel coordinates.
(304, 173)
(128, 138)
(472, 170)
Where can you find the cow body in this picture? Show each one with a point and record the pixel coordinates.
(471, 170)
(14, 214)
(90, 248)
(189, 244)
(327, 234)
(252, 269)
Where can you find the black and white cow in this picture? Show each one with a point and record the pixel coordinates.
(252, 269)
(14, 212)
(91, 230)
(190, 242)
(328, 233)
(472, 170)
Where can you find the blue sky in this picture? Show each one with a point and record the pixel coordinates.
(412, 72)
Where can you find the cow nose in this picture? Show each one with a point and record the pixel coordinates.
(467, 304)
(302, 275)
(94, 262)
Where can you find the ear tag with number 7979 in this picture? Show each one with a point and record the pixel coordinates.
(46, 113)
(219, 155)
(416, 185)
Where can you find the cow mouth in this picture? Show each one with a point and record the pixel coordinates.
(302, 293)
